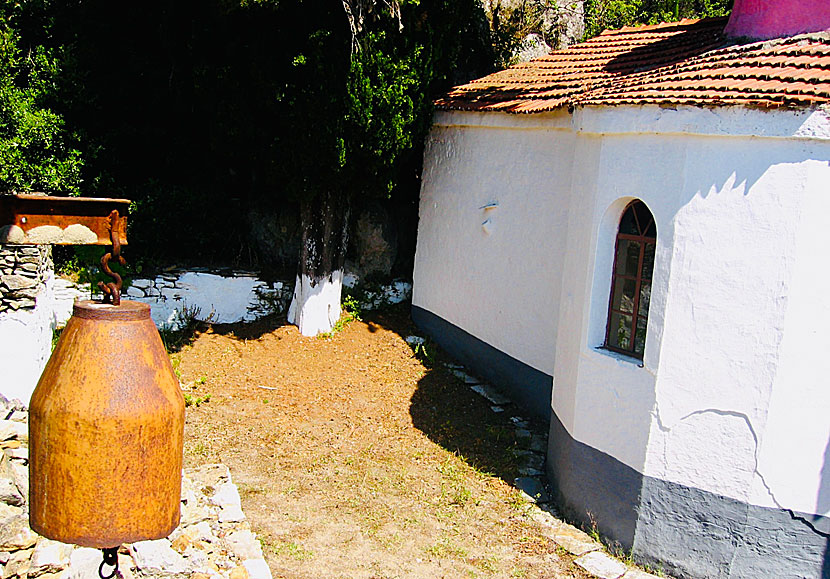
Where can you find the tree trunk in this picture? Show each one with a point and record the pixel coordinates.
(315, 305)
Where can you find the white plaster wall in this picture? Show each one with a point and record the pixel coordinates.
(496, 272)
(794, 455)
(733, 254)
(728, 122)
(26, 344)
(613, 395)
(731, 247)
(575, 280)
(731, 395)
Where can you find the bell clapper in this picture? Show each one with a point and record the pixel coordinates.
(110, 560)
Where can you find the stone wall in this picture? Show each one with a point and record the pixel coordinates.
(23, 269)
(220, 298)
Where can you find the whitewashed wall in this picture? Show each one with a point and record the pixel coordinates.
(734, 250)
(208, 296)
(26, 339)
(731, 396)
(797, 434)
(738, 217)
(495, 271)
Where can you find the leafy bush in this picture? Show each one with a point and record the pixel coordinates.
(37, 150)
(608, 14)
(350, 312)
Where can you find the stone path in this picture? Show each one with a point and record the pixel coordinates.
(590, 554)
(213, 541)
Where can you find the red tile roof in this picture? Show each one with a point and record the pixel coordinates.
(680, 63)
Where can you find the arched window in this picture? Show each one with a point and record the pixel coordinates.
(631, 281)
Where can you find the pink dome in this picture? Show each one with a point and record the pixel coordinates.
(763, 19)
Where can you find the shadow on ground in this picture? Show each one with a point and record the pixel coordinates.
(449, 413)
(251, 330)
(457, 419)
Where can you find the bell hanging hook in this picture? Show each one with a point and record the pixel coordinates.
(112, 290)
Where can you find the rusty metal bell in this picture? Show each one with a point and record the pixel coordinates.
(106, 424)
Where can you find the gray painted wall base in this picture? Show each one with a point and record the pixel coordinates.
(592, 487)
(686, 531)
(707, 535)
(527, 386)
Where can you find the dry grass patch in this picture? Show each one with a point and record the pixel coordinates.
(354, 459)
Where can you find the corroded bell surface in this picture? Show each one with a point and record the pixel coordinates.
(106, 423)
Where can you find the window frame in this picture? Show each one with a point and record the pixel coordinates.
(644, 240)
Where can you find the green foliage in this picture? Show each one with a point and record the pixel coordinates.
(383, 86)
(456, 38)
(352, 306)
(175, 363)
(82, 263)
(393, 77)
(192, 400)
(426, 352)
(309, 148)
(350, 312)
(609, 14)
(182, 333)
(293, 550)
(56, 335)
(67, 262)
(37, 151)
(200, 112)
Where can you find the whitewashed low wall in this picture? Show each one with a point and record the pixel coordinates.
(26, 343)
(373, 298)
(221, 299)
(174, 298)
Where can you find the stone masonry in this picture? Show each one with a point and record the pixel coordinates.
(213, 541)
(23, 269)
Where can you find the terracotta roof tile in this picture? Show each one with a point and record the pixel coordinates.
(687, 62)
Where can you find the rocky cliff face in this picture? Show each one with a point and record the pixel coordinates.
(527, 29)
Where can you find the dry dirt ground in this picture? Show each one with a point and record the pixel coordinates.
(356, 458)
